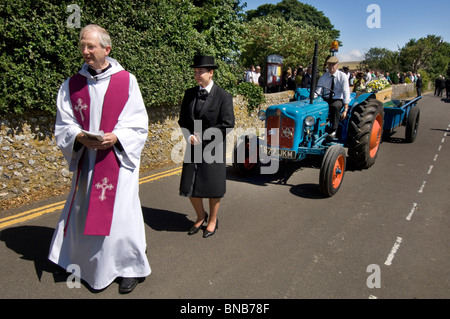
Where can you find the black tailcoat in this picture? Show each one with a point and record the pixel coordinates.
(200, 178)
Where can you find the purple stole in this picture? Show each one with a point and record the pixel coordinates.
(106, 171)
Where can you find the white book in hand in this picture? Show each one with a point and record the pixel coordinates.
(94, 135)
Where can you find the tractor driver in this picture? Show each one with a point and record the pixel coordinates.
(336, 92)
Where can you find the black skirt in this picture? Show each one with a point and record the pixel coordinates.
(204, 176)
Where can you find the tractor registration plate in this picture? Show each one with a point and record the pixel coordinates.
(280, 152)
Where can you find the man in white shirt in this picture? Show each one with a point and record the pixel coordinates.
(256, 75)
(368, 76)
(336, 92)
(249, 75)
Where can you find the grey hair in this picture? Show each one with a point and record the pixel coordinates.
(103, 36)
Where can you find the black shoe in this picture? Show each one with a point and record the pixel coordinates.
(127, 285)
(208, 233)
(194, 230)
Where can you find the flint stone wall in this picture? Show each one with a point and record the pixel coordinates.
(400, 91)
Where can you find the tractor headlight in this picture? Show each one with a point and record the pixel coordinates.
(262, 115)
(310, 121)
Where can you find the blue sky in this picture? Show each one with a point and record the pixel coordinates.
(400, 21)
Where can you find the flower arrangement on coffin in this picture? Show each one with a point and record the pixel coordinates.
(377, 85)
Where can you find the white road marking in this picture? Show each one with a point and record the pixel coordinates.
(413, 209)
(394, 249)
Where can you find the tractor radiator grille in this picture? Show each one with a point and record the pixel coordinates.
(286, 130)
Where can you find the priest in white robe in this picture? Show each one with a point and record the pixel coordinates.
(105, 243)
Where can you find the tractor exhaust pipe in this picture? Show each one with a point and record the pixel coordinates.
(314, 75)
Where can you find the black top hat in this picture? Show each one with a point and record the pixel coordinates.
(204, 61)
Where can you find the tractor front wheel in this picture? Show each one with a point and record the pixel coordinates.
(246, 156)
(332, 170)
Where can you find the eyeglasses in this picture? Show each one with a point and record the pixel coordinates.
(200, 72)
(89, 47)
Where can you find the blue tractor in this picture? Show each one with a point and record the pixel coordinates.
(297, 130)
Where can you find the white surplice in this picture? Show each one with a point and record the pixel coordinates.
(123, 253)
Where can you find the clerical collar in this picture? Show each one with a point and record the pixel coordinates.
(95, 72)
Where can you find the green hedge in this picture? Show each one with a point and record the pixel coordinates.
(254, 94)
(153, 39)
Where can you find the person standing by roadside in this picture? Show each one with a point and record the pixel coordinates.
(306, 80)
(299, 78)
(291, 80)
(205, 109)
(411, 77)
(447, 86)
(436, 86)
(257, 75)
(249, 75)
(368, 76)
(388, 78)
(101, 228)
(287, 77)
(419, 85)
(441, 85)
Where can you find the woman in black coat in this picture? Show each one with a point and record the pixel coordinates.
(206, 114)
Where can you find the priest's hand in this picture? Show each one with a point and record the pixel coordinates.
(109, 139)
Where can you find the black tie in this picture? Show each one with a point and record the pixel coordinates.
(202, 95)
(332, 87)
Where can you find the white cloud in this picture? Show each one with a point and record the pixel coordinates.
(353, 55)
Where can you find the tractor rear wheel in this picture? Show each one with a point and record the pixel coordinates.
(365, 132)
(246, 156)
(332, 170)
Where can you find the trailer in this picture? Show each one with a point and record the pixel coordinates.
(399, 113)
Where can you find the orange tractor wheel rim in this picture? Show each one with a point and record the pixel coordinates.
(338, 171)
(375, 136)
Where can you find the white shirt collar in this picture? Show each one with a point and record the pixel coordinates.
(209, 87)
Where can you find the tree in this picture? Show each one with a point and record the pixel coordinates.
(291, 39)
(429, 55)
(297, 11)
(418, 54)
(381, 59)
(220, 23)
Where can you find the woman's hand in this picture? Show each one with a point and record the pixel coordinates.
(194, 139)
